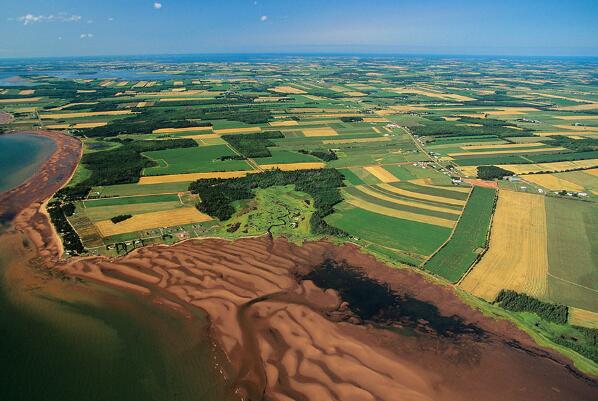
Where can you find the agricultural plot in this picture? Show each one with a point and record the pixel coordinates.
(195, 160)
(469, 238)
(517, 256)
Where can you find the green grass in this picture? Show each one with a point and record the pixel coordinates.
(131, 200)
(453, 260)
(139, 189)
(572, 252)
(194, 160)
(399, 234)
(107, 212)
(350, 177)
(285, 156)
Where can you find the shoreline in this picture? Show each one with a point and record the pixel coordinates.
(288, 338)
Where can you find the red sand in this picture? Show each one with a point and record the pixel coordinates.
(280, 335)
(481, 183)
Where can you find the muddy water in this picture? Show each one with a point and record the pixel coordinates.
(61, 339)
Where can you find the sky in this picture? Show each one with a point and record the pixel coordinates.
(32, 28)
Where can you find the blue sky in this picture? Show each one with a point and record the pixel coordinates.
(111, 27)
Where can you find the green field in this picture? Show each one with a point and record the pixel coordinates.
(469, 238)
(404, 235)
(131, 200)
(138, 189)
(573, 252)
(194, 160)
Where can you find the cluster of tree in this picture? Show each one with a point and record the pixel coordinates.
(351, 119)
(217, 194)
(120, 217)
(326, 155)
(148, 120)
(253, 145)
(121, 165)
(577, 145)
(70, 239)
(517, 302)
(458, 128)
(493, 172)
(584, 343)
(500, 98)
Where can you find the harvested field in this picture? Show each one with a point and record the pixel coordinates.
(159, 179)
(83, 114)
(401, 201)
(168, 218)
(583, 318)
(21, 100)
(517, 257)
(89, 125)
(287, 89)
(422, 196)
(552, 182)
(356, 140)
(550, 167)
(323, 131)
(375, 120)
(289, 123)
(293, 166)
(401, 214)
(176, 130)
(26, 92)
(380, 173)
(247, 130)
(498, 152)
(439, 95)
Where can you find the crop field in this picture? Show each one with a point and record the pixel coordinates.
(572, 240)
(407, 136)
(468, 239)
(517, 256)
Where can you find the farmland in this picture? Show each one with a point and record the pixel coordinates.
(383, 153)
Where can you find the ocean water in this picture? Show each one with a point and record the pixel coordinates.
(20, 157)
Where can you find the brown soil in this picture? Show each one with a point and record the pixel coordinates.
(286, 339)
(5, 117)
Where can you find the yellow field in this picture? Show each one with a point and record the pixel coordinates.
(469, 171)
(146, 221)
(237, 130)
(140, 84)
(86, 90)
(25, 109)
(89, 125)
(439, 95)
(21, 100)
(502, 146)
(202, 136)
(552, 182)
(400, 214)
(144, 104)
(160, 179)
(58, 126)
(356, 140)
(593, 172)
(496, 152)
(550, 167)
(581, 107)
(577, 127)
(355, 94)
(175, 130)
(178, 83)
(73, 104)
(375, 120)
(517, 257)
(85, 114)
(582, 317)
(293, 166)
(433, 198)
(366, 190)
(123, 83)
(324, 131)
(287, 89)
(289, 123)
(26, 92)
(381, 174)
(182, 99)
(575, 118)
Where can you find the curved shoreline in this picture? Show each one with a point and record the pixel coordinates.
(288, 339)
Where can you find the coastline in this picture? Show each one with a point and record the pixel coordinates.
(288, 338)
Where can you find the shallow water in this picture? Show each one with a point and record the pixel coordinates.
(20, 156)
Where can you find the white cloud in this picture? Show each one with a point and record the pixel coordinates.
(111, 19)
(86, 36)
(90, 21)
(157, 5)
(59, 17)
(264, 18)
